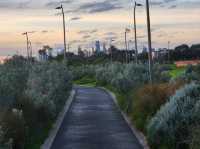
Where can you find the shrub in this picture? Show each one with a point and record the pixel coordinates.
(13, 77)
(195, 137)
(82, 71)
(147, 101)
(48, 86)
(106, 73)
(14, 128)
(121, 83)
(36, 92)
(161, 73)
(171, 124)
(136, 74)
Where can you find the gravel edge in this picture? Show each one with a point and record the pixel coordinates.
(49, 141)
(139, 135)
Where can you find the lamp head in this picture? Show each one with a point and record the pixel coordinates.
(138, 4)
(24, 33)
(60, 7)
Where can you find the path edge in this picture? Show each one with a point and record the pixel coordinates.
(56, 126)
(139, 135)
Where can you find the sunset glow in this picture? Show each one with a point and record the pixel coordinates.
(177, 21)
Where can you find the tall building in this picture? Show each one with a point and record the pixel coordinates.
(104, 47)
(145, 50)
(80, 52)
(98, 47)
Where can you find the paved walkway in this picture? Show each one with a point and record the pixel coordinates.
(94, 122)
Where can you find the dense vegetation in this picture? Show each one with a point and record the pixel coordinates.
(31, 96)
(167, 112)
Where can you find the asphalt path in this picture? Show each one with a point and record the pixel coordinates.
(94, 122)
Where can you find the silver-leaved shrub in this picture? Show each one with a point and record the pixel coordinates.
(172, 123)
(13, 76)
(48, 85)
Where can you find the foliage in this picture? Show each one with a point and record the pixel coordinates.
(13, 77)
(161, 73)
(82, 71)
(14, 128)
(195, 137)
(48, 85)
(171, 124)
(148, 99)
(122, 77)
(31, 95)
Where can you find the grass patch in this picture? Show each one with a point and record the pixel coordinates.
(87, 81)
(121, 98)
(177, 72)
(37, 139)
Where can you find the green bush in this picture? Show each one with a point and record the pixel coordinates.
(195, 137)
(171, 125)
(82, 71)
(136, 74)
(49, 85)
(123, 77)
(36, 92)
(13, 78)
(161, 73)
(146, 102)
(121, 83)
(14, 128)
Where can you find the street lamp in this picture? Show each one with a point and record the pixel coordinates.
(63, 14)
(135, 29)
(27, 44)
(149, 42)
(169, 51)
(126, 46)
(111, 40)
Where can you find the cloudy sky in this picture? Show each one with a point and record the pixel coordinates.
(177, 21)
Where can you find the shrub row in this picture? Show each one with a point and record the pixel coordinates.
(172, 124)
(32, 95)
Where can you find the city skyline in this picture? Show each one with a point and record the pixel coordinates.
(176, 21)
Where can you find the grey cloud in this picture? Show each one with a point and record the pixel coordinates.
(142, 36)
(156, 3)
(86, 36)
(99, 7)
(44, 31)
(168, 1)
(38, 43)
(74, 41)
(11, 4)
(173, 6)
(75, 18)
(110, 34)
(96, 7)
(32, 32)
(88, 31)
(23, 5)
(56, 3)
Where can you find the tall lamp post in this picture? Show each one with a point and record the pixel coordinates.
(64, 30)
(149, 42)
(135, 29)
(126, 45)
(169, 51)
(27, 44)
(111, 52)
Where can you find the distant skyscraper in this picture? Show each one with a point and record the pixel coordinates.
(93, 52)
(145, 49)
(98, 48)
(104, 47)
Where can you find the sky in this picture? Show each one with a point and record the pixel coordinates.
(177, 21)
